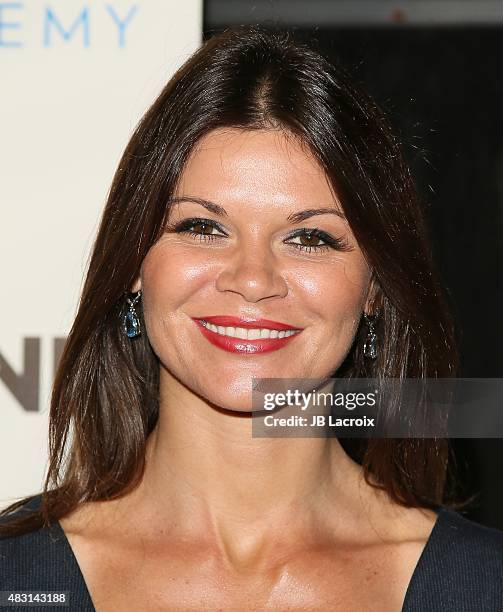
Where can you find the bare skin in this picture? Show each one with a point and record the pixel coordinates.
(221, 520)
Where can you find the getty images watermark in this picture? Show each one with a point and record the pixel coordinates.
(303, 401)
(377, 408)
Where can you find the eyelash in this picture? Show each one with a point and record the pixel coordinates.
(330, 243)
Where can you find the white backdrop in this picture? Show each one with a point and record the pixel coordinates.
(76, 76)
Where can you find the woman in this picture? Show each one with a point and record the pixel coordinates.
(261, 224)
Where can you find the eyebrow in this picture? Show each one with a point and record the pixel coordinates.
(295, 217)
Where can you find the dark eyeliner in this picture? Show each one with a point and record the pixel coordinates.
(340, 244)
(186, 224)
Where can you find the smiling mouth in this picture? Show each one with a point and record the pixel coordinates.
(246, 340)
(242, 333)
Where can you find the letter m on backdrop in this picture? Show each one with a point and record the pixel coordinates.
(52, 22)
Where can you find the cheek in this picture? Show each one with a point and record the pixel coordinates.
(175, 283)
(336, 292)
(170, 275)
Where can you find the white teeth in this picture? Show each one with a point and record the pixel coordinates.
(248, 334)
(241, 332)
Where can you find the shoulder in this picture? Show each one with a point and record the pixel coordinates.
(474, 543)
(461, 568)
(31, 560)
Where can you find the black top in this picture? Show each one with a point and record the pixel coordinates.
(459, 570)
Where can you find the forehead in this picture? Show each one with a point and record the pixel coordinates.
(261, 166)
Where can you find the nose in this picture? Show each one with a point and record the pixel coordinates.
(252, 271)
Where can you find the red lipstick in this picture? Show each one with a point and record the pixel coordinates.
(249, 323)
(241, 345)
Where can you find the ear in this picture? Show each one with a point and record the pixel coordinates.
(372, 293)
(136, 286)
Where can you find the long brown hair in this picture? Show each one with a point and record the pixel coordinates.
(105, 395)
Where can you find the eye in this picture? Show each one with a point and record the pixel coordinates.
(310, 238)
(199, 229)
(310, 241)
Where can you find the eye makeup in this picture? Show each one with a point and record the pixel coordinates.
(329, 242)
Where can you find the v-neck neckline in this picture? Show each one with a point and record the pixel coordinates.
(442, 513)
(407, 605)
(75, 566)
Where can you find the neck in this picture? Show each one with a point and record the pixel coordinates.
(207, 475)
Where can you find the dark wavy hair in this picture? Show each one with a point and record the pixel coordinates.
(105, 394)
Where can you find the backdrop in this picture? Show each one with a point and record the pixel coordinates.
(75, 78)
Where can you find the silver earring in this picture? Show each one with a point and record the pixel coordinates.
(370, 346)
(131, 322)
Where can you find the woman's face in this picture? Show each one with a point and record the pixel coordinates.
(248, 259)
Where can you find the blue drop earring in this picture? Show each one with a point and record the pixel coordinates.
(370, 346)
(131, 322)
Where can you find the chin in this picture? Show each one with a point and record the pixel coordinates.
(234, 395)
(237, 404)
